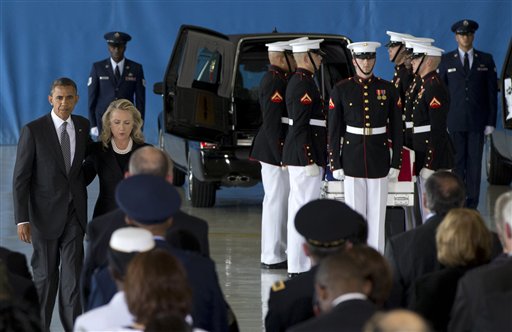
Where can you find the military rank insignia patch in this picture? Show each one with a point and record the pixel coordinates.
(331, 104)
(306, 99)
(278, 286)
(276, 98)
(434, 103)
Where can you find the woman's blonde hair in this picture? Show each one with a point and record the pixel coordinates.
(462, 239)
(122, 105)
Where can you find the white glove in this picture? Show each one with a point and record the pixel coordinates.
(94, 131)
(425, 173)
(312, 170)
(393, 174)
(338, 174)
(488, 130)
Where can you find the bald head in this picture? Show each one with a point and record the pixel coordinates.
(444, 191)
(150, 160)
(396, 321)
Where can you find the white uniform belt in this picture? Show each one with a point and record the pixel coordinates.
(312, 122)
(409, 124)
(421, 129)
(285, 120)
(366, 131)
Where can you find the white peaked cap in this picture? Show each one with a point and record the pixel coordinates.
(417, 40)
(426, 49)
(279, 46)
(364, 47)
(130, 239)
(398, 36)
(306, 45)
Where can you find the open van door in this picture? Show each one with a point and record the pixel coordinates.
(196, 85)
(499, 154)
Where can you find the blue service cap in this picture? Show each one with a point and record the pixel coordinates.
(329, 223)
(147, 199)
(117, 37)
(463, 27)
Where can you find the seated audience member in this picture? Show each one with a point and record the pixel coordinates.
(376, 270)
(491, 280)
(150, 202)
(291, 302)
(496, 313)
(463, 242)
(146, 160)
(168, 322)
(15, 262)
(413, 253)
(341, 288)
(19, 305)
(125, 243)
(398, 320)
(156, 284)
(108, 158)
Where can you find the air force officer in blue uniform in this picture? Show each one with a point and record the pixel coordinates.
(115, 78)
(472, 81)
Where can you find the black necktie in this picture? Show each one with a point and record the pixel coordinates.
(117, 73)
(65, 146)
(466, 62)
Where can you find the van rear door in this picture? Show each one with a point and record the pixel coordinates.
(196, 85)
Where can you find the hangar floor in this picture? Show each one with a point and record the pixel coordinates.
(234, 240)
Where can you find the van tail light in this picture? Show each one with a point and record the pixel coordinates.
(207, 146)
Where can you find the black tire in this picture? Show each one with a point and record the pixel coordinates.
(200, 194)
(178, 177)
(498, 172)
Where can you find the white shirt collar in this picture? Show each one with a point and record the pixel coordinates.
(347, 297)
(470, 53)
(120, 64)
(57, 122)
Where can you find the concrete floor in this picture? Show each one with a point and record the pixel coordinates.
(234, 240)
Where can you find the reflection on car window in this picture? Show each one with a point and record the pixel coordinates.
(208, 66)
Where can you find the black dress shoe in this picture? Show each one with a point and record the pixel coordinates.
(276, 266)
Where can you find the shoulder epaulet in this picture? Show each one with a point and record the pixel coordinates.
(278, 286)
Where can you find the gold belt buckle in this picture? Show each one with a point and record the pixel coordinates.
(368, 131)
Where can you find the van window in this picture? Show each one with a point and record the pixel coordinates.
(207, 67)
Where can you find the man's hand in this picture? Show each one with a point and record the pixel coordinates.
(24, 232)
(338, 174)
(312, 170)
(393, 174)
(94, 131)
(425, 173)
(488, 130)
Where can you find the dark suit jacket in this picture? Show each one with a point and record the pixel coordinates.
(15, 262)
(103, 88)
(102, 161)
(413, 254)
(291, 302)
(473, 288)
(347, 316)
(496, 313)
(434, 296)
(100, 229)
(473, 97)
(41, 187)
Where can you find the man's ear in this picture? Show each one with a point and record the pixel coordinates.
(128, 221)
(321, 292)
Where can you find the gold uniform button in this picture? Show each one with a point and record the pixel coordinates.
(311, 160)
(365, 93)
(366, 86)
(366, 108)
(367, 116)
(307, 147)
(367, 124)
(349, 104)
(366, 101)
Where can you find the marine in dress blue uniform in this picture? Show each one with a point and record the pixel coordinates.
(403, 76)
(473, 104)
(432, 146)
(104, 86)
(304, 151)
(267, 149)
(365, 113)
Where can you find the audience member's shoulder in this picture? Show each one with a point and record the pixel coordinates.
(182, 216)
(112, 219)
